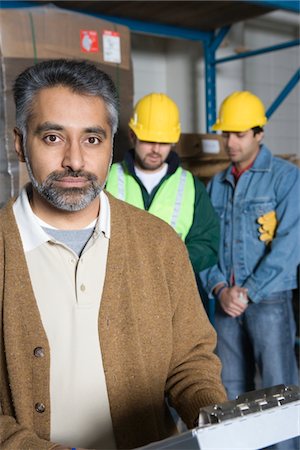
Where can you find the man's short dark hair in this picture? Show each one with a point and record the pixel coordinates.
(257, 130)
(81, 77)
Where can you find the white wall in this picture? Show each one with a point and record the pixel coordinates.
(167, 65)
(149, 64)
(266, 75)
(176, 67)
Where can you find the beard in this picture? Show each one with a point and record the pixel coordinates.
(147, 164)
(66, 199)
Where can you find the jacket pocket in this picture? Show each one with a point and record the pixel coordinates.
(253, 210)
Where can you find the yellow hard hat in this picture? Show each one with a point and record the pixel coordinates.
(240, 111)
(156, 119)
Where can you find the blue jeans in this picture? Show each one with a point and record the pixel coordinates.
(259, 342)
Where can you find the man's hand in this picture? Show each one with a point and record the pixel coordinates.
(268, 224)
(234, 300)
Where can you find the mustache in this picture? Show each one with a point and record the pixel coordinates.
(154, 154)
(57, 176)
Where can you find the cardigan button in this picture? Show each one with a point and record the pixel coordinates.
(39, 352)
(40, 407)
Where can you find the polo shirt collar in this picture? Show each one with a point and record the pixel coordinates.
(31, 232)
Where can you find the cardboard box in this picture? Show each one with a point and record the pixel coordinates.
(205, 146)
(291, 157)
(205, 169)
(202, 154)
(30, 35)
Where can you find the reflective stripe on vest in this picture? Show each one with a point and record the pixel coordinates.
(173, 202)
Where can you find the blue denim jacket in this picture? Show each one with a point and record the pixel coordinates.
(270, 184)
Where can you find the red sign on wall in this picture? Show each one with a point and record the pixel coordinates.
(89, 41)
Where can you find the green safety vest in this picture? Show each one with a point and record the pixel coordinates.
(173, 202)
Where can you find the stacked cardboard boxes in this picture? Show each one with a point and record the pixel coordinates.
(204, 155)
(30, 35)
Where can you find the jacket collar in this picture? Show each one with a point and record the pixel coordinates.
(262, 163)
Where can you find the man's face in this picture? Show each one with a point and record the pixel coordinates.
(68, 148)
(242, 147)
(150, 156)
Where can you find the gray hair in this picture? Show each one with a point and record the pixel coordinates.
(81, 77)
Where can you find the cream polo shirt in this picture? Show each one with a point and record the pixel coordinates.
(68, 292)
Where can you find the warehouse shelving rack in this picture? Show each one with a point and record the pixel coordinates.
(210, 40)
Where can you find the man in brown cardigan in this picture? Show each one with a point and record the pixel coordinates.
(101, 317)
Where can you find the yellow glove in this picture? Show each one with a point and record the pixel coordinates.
(268, 224)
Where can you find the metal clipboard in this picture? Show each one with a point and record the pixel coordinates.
(253, 421)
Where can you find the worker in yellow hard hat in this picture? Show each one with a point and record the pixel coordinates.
(150, 177)
(240, 111)
(257, 199)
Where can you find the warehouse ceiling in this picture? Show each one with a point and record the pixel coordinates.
(196, 15)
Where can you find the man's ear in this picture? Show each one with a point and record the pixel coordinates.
(19, 145)
(132, 137)
(259, 136)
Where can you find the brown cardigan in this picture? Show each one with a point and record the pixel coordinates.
(154, 334)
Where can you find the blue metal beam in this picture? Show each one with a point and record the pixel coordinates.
(293, 5)
(284, 93)
(210, 48)
(216, 40)
(17, 4)
(260, 51)
(210, 87)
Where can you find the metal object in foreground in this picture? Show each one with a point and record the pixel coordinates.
(253, 421)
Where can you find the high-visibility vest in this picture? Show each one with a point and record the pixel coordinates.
(173, 202)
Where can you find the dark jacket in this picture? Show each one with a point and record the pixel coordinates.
(202, 240)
